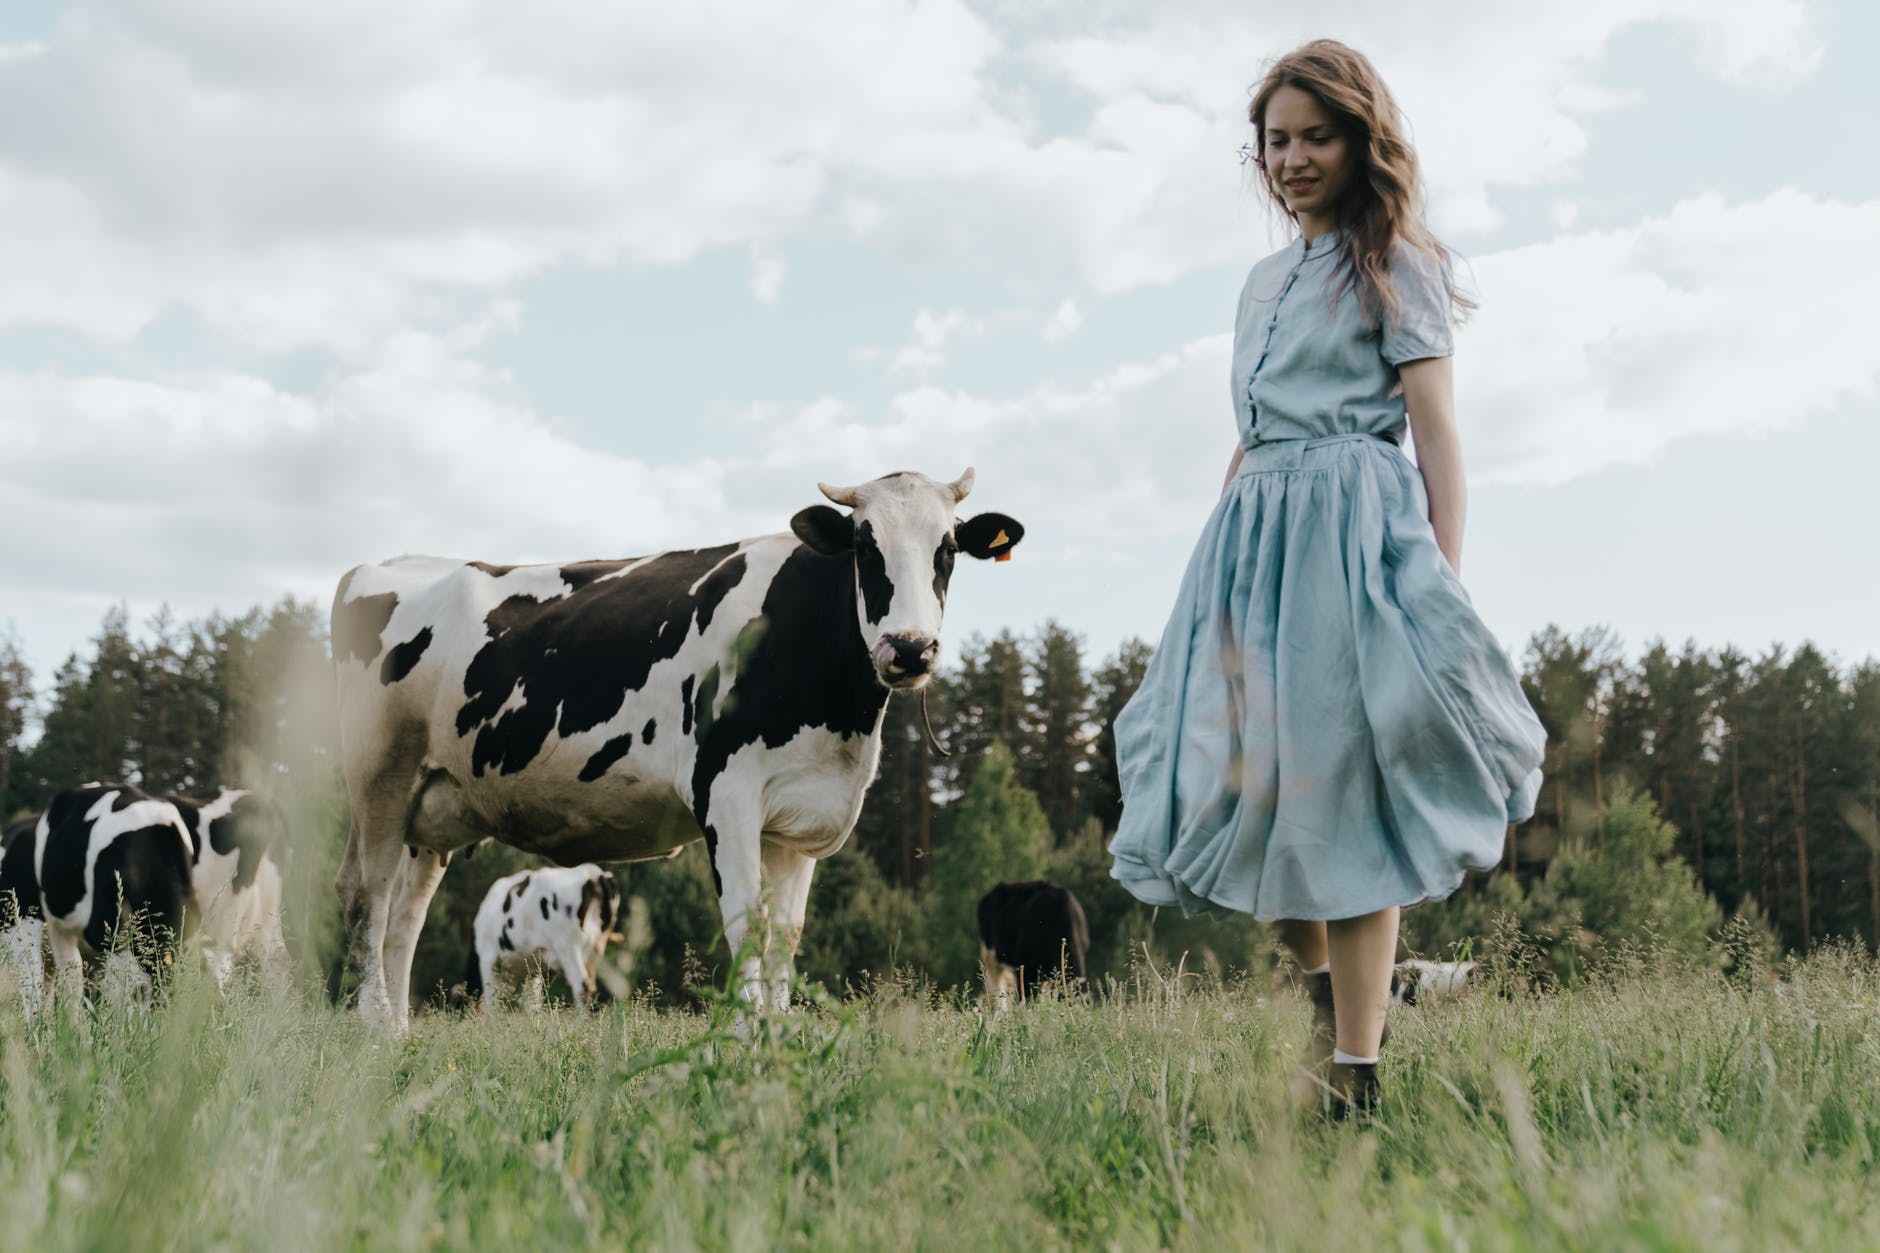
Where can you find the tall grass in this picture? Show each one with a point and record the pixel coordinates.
(1648, 1110)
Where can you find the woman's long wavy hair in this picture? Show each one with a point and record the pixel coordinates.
(1384, 203)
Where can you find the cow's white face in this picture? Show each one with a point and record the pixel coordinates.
(904, 537)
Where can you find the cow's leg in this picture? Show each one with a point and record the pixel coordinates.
(26, 945)
(737, 863)
(532, 986)
(272, 941)
(417, 884)
(221, 964)
(486, 971)
(572, 965)
(787, 876)
(367, 882)
(995, 979)
(68, 966)
(125, 980)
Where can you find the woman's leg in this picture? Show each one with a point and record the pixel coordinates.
(1363, 952)
(1306, 939)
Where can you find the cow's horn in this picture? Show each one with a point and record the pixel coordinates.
(962, 485)
(844, 496)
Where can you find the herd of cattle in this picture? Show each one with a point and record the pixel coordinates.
(583, 711)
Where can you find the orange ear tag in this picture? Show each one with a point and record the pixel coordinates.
(1004, 556)
(1000, 541)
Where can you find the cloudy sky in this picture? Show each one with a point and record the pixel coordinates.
(285, 287)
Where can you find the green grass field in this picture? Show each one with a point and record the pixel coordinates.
(1645, 1111)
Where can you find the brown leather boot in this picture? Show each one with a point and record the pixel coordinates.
(1354, 1091)
(1324, 1019)
(1308, 1081)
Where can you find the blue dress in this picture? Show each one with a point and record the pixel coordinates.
(1326, 728)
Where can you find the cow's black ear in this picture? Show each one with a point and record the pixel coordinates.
(825, 530)
(989, 535)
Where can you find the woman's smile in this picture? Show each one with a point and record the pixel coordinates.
(1307, 156)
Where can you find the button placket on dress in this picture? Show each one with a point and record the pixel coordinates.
(1272, 324)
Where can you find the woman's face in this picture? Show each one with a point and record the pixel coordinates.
(1307, 157)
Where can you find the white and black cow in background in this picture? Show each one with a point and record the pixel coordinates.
(562, 917)
(103, 854)
(22, 920)
(1031, 935)
(619, 710)
(1415, 980)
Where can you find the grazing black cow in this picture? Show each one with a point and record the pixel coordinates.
(104, 854)
(619, 710)
(1030, 934)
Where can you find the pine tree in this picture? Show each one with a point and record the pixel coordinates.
(1658, 732)
(997, 833)
(1057, 769)
(1116, 681)
(988, 705)
(895, 829)
(1861, 808)
(1570, 681)
(16, 705)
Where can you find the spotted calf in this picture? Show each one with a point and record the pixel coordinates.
(560, 917)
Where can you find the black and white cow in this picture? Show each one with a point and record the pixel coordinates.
(1414, 980)
(236, 880)
(22, 920)
(104, 854)
(562, 917)
(619, 710)
(1031, 934)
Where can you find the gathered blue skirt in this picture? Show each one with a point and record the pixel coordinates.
(1326, 729)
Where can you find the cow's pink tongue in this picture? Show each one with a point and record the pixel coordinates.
(884, 652)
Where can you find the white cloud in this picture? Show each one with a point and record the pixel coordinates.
(325, 175)
(376, 181)
(926, 348)
(1497, 94)
(1596, 349)
(1065, 321)
(767, 273)
(1606, 347)
(932, 336)
(303, 177)
(225, 490)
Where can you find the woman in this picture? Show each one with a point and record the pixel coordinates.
(1327, 732)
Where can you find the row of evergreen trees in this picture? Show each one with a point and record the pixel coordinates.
(1761, 774)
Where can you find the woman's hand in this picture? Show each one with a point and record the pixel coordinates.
(1232, 466)
(1429, 393)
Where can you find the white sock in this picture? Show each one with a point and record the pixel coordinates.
(1345, 1059)
(1323, 968)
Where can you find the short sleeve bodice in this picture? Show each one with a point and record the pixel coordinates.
(1307, 365)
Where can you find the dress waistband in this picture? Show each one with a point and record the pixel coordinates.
(1290, 454)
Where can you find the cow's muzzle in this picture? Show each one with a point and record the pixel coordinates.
(906, 660)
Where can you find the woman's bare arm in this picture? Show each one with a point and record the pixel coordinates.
(1429, 393)
(1232, 466)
